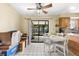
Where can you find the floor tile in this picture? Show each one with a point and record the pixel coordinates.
(36, 49)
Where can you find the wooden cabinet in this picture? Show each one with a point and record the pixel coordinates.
(22, 45)
(3, 49)
(64, 22)
(74, 45)
(77, 23)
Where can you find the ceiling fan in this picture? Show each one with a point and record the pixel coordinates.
(39, 6)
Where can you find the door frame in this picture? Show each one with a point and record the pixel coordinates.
(38, 24)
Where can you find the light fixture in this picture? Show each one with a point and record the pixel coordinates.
(38, 11)
(72, 8)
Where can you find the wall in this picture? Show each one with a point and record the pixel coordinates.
(24, 25)
(69, 15)
(52, 22)
(9, 18)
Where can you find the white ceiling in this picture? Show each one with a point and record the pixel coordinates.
(57, 8)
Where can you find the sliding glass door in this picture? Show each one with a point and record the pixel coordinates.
(39, 27)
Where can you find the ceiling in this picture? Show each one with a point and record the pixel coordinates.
(56, 9)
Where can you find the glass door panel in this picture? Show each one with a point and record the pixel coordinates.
(39, 27)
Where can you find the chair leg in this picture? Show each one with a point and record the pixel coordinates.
(44, 48)
(49, 50)
(64, 52)
(54, 49)
(67, 51)
(48, 47)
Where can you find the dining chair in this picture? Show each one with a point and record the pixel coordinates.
(60, 34)
(47, 43)
(62, 46)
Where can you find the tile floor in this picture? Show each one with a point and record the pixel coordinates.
(36, 49)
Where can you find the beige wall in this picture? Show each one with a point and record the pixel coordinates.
(52, 22)
(9, 18)
(24, 25)
(69, 15)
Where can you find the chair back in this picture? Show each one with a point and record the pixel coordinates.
(47, 40)
(60, 34)
(64, 40)
(46, 35)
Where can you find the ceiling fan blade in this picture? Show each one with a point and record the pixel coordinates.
(45, 11)
(31, 8)
(47, 6)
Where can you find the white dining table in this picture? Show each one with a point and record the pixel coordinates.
(54, 38)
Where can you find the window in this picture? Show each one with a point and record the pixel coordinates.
(73, 22)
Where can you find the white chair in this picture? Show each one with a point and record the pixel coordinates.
(16, 36)
(62, 47)
(47, 43)
(60, 34)
(46, 34)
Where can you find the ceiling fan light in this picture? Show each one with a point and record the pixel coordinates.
(72, 8)
(38, 11)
